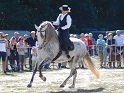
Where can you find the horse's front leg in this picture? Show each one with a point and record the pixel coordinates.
(32, 78)
(43, 63)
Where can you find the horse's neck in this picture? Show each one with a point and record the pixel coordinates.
(40, 40)
(53, 40)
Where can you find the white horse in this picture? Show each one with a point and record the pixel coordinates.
(49, 48)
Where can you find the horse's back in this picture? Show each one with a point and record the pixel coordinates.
(79, 46)
(78, 41)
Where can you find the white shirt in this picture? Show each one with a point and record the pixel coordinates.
(20, 52)
(2, 45)
(119, 40)
(68, 20)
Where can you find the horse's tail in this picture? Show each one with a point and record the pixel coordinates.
(88, 62)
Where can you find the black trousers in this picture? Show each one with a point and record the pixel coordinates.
(64, 39)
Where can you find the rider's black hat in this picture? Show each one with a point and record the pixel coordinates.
(65, 8)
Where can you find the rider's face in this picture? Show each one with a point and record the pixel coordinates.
(64, 12)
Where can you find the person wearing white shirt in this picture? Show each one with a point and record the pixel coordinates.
(3, 46)
(119, 38)
(64, 22)
(120, 42)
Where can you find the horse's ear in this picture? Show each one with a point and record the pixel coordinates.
(36, 26)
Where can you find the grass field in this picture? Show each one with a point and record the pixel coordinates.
(111, 81)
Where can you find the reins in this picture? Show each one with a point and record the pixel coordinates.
(44, 40)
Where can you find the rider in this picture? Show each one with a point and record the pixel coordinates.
(64, 22)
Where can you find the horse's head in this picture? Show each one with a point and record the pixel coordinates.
(45, 31)
(42, 27)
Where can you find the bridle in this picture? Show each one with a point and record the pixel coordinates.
(42, 28)
(44, 42)
(43, 37)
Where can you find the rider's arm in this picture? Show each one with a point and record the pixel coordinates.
(69, 21)
(57, 21)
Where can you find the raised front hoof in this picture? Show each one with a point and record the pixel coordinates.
(29, 85)
(62, 86)
(43, 78)
(71, 86)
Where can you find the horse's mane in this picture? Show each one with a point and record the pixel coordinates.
(50, 33)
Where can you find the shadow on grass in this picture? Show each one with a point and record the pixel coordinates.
(8, 74)
(82, 91)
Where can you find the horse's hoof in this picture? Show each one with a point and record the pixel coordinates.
(71, 86)
(61, 86)
(29, 85)
(43, 78)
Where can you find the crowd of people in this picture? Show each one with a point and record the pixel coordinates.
(17, 49)
(109, 46)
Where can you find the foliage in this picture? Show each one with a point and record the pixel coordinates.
(98, 14)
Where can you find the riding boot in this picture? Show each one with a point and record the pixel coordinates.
(67, 53)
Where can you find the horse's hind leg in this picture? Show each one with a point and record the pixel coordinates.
(74, 79)
(32, 78)
(73, 72)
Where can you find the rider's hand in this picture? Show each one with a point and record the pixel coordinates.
(52, 22)
(59, 29)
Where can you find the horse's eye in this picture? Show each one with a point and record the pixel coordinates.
(43, 26)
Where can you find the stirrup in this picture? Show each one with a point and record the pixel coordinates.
(68, 56)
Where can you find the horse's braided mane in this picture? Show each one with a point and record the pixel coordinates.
(50, 33)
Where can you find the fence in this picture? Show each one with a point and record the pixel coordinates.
(109, 53)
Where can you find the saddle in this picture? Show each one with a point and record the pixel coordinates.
(70, 48)
(70, 45)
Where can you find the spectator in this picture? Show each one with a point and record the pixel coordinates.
(84, 40)
(120, 40)
(73, 36)
(34, 56)
(21, 52)
(105, 51)
(14, 55)
(100, 47)
(82, 37)
(16, 35)
(88, 43)
(93, 43)
(3, 45)
(26, 50)
(7, 52)
(91, 38)
(31, 42)
(111, 49)
(106, 37)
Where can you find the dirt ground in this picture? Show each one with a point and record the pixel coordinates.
(111, 81)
